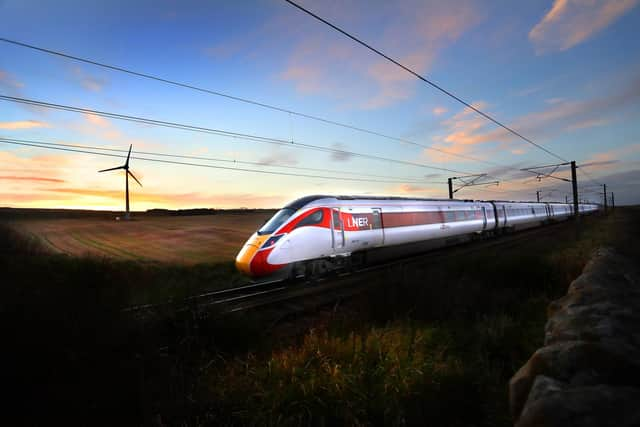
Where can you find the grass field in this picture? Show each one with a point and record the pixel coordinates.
(168, 239)
(434, 346)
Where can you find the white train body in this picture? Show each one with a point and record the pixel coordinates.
(326, 230)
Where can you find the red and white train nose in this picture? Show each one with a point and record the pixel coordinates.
(252, 258)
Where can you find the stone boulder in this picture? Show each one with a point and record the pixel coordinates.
(591, 352)
(553, 403)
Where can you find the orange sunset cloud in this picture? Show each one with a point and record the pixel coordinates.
(24, 124)
(571, 22)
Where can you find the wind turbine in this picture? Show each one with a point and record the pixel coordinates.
(127, 173)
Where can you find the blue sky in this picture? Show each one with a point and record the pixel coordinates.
(564, 73)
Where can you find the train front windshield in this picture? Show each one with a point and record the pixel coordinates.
(276, 221)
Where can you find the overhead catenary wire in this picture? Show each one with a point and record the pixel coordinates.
(424, 79)
(243, 100)
(219, 132)
(588, 176)
(70, 148)
(286, 110)
(213, 159)
(249, 101)
(229, 168)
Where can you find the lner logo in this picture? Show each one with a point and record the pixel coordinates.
(359, 222)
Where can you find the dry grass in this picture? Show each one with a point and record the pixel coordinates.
(177, 240)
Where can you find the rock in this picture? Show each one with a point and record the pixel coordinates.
(597, 323)
(575, 362)
(553, 403)
(590, 364)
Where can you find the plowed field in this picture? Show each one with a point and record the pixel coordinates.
(173, 239)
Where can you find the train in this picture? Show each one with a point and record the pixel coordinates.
(317, 234)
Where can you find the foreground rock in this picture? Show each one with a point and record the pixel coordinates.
(588, 372)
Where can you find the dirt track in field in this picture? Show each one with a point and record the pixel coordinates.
(180, 239)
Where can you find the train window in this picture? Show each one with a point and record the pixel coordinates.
(336, 220)
(376, 219)
(450, 216)
(460, 216)
(313, 219)
(276, 221)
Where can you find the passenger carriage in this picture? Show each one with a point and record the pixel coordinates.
(316, 234)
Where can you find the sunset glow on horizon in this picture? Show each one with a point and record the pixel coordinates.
(564, 73)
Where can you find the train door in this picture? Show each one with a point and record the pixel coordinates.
(363, 228)
(484, 218)
(376, 214)
(337, 230)
(504, 213)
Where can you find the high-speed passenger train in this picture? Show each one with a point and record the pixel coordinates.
(316, 234)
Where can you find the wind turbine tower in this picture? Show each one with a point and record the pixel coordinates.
(127, 173)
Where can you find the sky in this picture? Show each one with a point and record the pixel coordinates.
(563, 73)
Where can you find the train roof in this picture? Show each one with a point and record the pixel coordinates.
(303, 201)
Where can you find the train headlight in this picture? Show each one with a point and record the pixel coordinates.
(271, 241)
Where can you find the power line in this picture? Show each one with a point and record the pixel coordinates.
(588, 176)
(249, 101)
(213, 159)
(424, 79)
(219, 132)
(240, 99)
(174, 162)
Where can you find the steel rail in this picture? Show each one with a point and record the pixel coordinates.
(262, 294)
(342, 289)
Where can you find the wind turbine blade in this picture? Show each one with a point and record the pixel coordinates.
(133, 176)
(112, 169)
(128, 155)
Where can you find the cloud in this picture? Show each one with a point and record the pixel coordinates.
(7, 80)
(411, 189)
(277, 157)
(24, 124)
(466, 130)
(530, 90)
(570, 22)
(145, 199)
(13, 87)
(461, 134)
(432, 175)
(101, 127)
(341, 155)
(415, 31)
(438, 111)
(30, 178)
(606, 160)
(554, 100)
(588, 124)
(625, 186)
(97, 120)
(87, 81)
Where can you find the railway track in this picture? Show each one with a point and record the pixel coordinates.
(302, 295)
